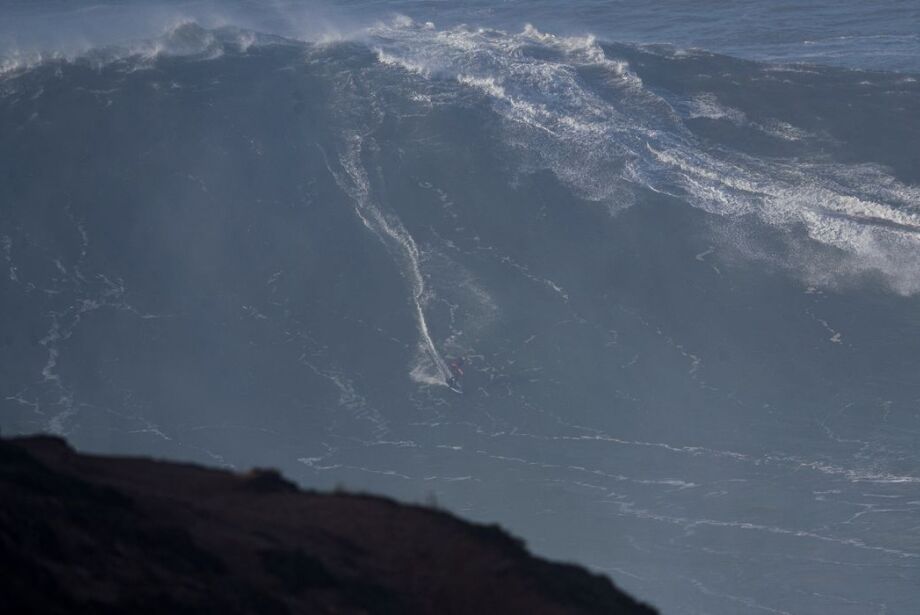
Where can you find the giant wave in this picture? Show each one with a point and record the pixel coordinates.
(685, 286)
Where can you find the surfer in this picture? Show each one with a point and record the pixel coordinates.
(456, 367)
(456, 373)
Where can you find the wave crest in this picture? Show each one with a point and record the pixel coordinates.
(588, 118)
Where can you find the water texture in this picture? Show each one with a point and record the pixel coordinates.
(676, 248)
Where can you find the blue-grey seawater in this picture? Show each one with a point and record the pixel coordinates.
(676, 246)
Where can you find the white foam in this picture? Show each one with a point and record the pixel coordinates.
(707, 106)
(16, 62)
(870, 217)
(784, 130)
(599, 142)
(245, 40)
(180, 38)
(429, 367)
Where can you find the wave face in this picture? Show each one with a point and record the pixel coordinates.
(684, 287)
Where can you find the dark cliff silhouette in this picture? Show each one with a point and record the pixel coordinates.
(82, 533)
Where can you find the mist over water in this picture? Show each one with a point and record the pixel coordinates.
(678, 258)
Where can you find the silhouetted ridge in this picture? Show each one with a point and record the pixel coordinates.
(106, 534)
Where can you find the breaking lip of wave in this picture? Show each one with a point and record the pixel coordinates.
(185, 38)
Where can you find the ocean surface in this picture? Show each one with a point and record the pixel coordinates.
(639, 281)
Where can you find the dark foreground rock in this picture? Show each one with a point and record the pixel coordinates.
(81, 533)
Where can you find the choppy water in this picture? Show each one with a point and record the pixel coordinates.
(678, 248)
